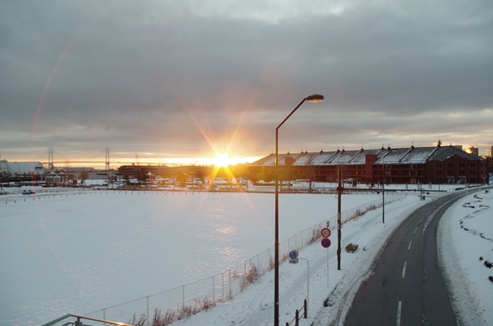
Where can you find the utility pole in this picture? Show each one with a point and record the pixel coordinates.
(383, 191)
(339, 193)
(1, 172)
(107, 158)
(50, 158)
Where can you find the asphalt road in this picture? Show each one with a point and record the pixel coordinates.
(407, 287)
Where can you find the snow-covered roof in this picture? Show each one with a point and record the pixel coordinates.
(446, 152)
(21, 167)
(305, 158)
(394, 156)
(270, 160)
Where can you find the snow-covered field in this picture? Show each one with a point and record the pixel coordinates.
(77, 253)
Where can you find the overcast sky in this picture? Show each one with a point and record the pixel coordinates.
(173, 79)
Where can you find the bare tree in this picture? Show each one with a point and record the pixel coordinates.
(84, 175)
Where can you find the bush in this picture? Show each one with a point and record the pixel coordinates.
(252, 275)
(163, 320)
(351, 247)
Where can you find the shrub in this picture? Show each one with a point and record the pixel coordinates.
(138, 322)
(315, 236)
(186, 311)
(351, 247)
(204, 304)
(163, 320)
(252, 275)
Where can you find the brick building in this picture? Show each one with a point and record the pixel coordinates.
(438, 165)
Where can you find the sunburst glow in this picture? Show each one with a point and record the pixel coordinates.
(221, 160)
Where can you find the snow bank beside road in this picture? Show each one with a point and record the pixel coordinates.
(466, 243)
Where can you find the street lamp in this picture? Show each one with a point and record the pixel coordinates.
(312, 98)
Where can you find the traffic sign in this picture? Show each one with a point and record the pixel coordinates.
(293, 254)
(325, 232)
(325, 243)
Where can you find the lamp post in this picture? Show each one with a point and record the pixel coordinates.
(307, 284)
(383, 191)
(312, 98)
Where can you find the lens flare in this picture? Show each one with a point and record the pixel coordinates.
(221, 160)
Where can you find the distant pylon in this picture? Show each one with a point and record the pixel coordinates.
(50, 158)
(107, 158)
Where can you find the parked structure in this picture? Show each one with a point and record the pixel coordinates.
(438, 165)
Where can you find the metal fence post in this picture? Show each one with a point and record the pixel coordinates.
(258, 263)
(297, 317)
(213, 299)
(147, 303)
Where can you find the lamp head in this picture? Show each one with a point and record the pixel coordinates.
(315, 98)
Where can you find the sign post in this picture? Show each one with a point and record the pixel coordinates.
(325, 232)
(293, 257)
(328, 226)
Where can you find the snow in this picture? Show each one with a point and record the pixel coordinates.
(466, 243)
(79, 252)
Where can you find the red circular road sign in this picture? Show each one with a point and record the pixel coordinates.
(325, 232)
(325, 243)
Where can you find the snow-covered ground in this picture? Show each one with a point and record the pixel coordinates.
(469, 276)
(77, 253)
(466, 247)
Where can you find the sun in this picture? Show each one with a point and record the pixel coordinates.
(221, 160)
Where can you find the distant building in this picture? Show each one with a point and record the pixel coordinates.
(473, 150)
(22, 168)
(490, 151)
(440, 164)
(133, 171)
(56, 179)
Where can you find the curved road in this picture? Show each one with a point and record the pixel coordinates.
(406, 286)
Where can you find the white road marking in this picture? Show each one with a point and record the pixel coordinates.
(409, 247)
(404, 270)
(399, 309)
(428, 220)
(415, 230)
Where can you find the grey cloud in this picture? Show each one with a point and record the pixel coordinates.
(132, 73)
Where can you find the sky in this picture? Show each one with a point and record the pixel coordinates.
(164, 80)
